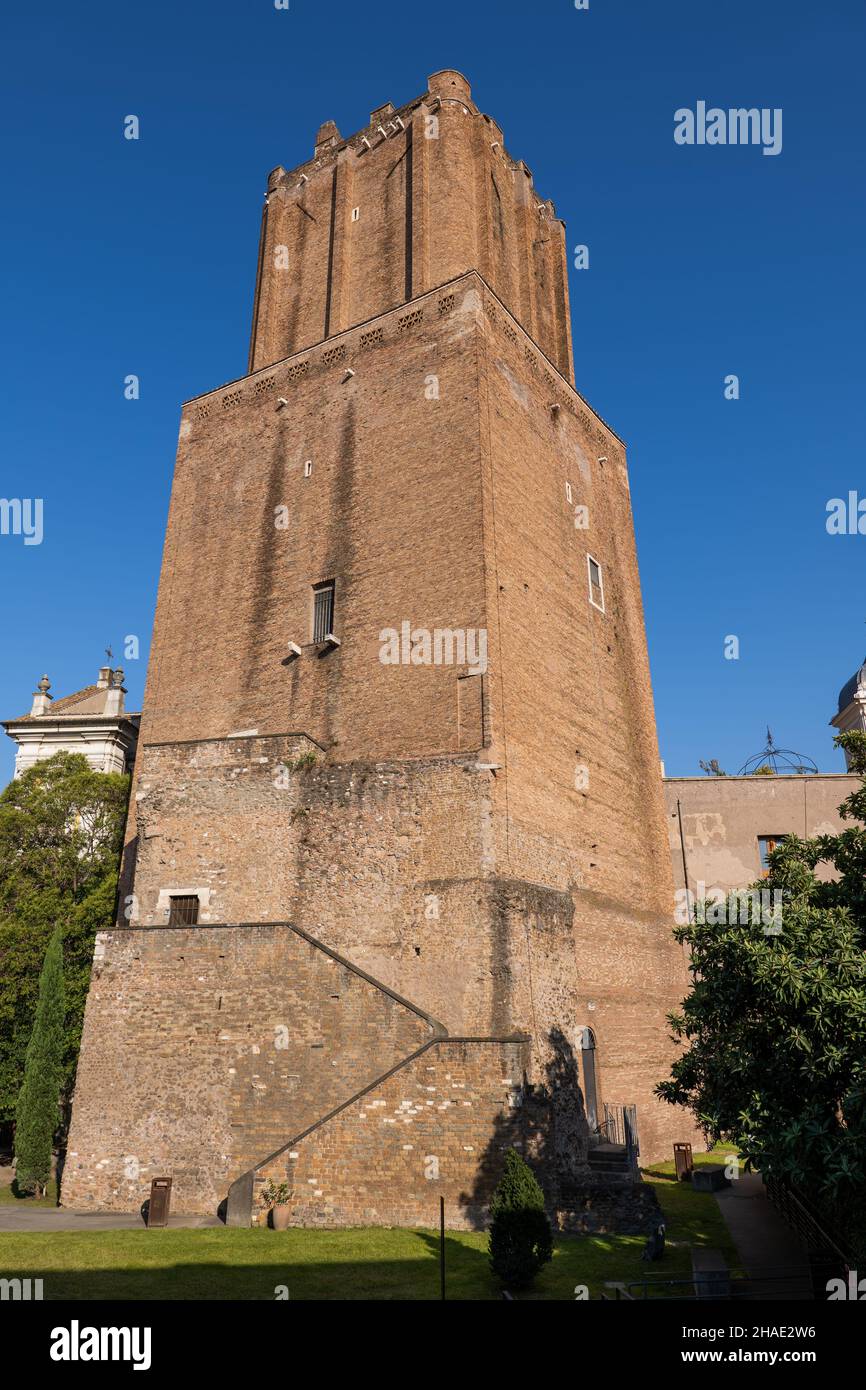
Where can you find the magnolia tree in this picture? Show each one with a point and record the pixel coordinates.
(774, 1028)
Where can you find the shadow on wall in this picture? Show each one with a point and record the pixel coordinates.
(548, 1128)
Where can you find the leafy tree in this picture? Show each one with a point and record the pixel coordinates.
(520, 1241)
(776, 1019)
(61, 830)
(37, 1112)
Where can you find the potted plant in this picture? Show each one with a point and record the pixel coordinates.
(275, 1199)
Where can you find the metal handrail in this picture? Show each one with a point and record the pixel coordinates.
(799, 1215)
(739, 1285)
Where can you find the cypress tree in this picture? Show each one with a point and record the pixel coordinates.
(37, 1111)
(520, 1240)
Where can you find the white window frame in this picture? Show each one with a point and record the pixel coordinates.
(590, 561)
(327, 586)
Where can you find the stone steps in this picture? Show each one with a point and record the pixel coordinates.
(611, 1160)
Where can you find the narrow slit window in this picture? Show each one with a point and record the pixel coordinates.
(596, 583)
(183, 911)
(323, 611)
(498, 224)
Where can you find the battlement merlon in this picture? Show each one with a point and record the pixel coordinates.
(422, 193)
(446, 86)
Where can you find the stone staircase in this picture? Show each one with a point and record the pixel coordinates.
(612, 1199)
(611, 1161)
(434, 1119)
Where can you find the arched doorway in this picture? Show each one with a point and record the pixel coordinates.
(590, 1085)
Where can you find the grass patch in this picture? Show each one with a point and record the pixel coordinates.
(357, 1264)
(720, 1154)
(9, 1193)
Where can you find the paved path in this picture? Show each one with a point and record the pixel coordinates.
(767, 1247)
(18, 1216)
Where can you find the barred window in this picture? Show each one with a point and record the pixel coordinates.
(323, 610)
(182, 911)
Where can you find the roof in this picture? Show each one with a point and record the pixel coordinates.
(89, 702)
(67, 701)
(850, 688)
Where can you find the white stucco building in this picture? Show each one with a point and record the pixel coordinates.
(851, 713)
(92, 721)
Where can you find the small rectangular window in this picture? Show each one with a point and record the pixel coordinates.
(182, 911)
(596, 583)
(766, 845)
(323, 610)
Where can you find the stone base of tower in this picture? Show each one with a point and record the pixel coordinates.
(207, 1050)
(229, 1056)
(413, 996)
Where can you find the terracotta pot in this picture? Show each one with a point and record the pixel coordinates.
(279, 1217)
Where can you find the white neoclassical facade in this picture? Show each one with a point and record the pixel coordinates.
(92, 721)
(851, 713)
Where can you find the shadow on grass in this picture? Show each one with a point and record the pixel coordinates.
(370, 1264)
(11, 1192)
(375, 1281)
(658, 1175)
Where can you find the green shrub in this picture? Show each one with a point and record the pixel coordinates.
(520, 1237)
(38, 1110)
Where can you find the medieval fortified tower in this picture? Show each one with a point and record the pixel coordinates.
(397, 887)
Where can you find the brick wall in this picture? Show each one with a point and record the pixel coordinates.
(205, 1049)
(438, 1127)
(385, 513)
(436, 195)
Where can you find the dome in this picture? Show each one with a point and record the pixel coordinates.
(850, 688)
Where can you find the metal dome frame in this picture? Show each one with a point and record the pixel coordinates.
(782, 761)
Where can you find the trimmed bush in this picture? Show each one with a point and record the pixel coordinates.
(38, 1111)
(520, 1238)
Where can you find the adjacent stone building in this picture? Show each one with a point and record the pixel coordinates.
(91, 721)
(397, 884)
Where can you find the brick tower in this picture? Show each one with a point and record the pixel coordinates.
(398, 890)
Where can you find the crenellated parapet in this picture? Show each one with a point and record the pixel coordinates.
(422, 193)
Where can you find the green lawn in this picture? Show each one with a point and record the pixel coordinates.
(9, 1194)
(720, 1154)
(349, 1264)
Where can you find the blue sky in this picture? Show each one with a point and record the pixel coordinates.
(139, 257)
